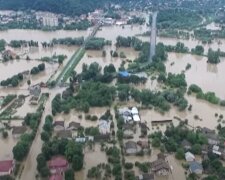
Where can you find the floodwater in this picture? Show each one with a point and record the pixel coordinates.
(208, 76)
(204, 110)
(91, 159)
(177, 172)
(112, 32)
(40, 36)
(11, 68)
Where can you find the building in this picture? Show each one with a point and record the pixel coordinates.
(213, 139)
(8, 54)
(104, 126)
(6, 167)
(67, 134)
(47, 19)
(59, 125)
(195, 167)
(58, 165)
(131, 148)
(101, 137)
(73, 126)
(160, 167)
(35, 92)
(143, 144)
(18, 131)
(216, 150)
(186, 144)
(56, 177)
(189, 157)
(146, 176)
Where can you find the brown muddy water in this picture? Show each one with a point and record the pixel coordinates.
(208, 76)
(37, 35)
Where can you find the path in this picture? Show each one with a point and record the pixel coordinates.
(153, 36)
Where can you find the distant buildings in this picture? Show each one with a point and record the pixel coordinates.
(47, 19)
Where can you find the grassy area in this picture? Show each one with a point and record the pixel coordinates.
(75, 59)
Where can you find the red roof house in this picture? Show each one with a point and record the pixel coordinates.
(6, 167)
(56, 177)
(58, 164)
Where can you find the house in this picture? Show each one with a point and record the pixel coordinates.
(216, 150)
(8, 54)
(146, 176)
(134, 111)
(189, 157)
(56, 177)
(18, 131)
(186, 144)
(136, 118)
(131, 147)
(206, 130)
(195, 167)
(143, 144)
(59, 125)
(160, 167)
(84, 139)
(124, 74)
(73, 126)
(58, 165)
(6, 167)
(161, 156)
(102, 137)
(35, 90)
(104, 126)
(67, 134)
(213, 139)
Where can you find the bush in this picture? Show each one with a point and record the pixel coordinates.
(128, 165)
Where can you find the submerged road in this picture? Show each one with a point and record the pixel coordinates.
(153, 36)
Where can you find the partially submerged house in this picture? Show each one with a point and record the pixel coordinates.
(128, 130)
(17, 131)
(145, 176)
(130, 147)
(58, 165)
(6, 167)
(35, 92)
(186, 144)
(73, 126)
(59, 125)
(189, 157)
(160, 167)
(64, 134)
(211, 135)
(195, 167)
(104, 126)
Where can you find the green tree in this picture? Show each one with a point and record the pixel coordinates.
(77, 162)
(69, 174)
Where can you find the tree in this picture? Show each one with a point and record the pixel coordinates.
(20, 150)
(28, 82)
(77, 162)
(213, 56)
(69, 174)
(4, 134)
(45, 136)
(180, 153)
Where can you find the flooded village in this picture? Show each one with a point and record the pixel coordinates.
(112, 94)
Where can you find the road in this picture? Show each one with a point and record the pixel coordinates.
(30, 164)
(153, 36)
(74, 60)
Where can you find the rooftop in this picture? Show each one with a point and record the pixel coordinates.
(19, 129)
(6, 165)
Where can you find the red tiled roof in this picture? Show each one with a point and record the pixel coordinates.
(5, 166)
(57, 162)
(56, 177)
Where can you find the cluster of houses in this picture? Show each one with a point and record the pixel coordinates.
(130, 115)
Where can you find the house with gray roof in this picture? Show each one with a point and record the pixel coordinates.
(195, 167)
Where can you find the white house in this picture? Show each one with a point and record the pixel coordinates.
(189, 157)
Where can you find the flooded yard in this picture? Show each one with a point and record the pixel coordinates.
(208, 76)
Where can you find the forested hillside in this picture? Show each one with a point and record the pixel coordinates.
(70, 7)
